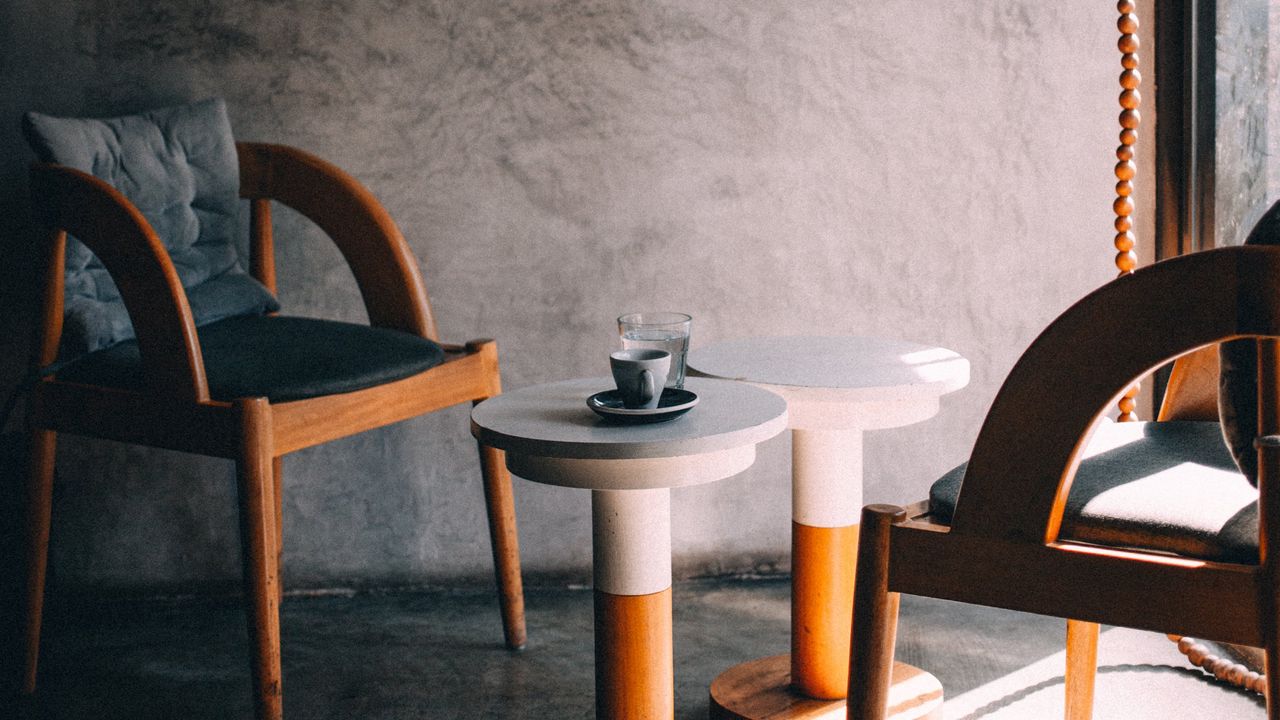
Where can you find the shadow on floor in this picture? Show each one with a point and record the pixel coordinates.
(436, 653)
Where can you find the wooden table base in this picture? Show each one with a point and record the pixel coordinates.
(761, 690)
(634, 668)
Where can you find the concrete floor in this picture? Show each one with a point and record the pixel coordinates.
(437, 654)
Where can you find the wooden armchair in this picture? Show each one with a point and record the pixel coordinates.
(1034, 526)
(181, 388)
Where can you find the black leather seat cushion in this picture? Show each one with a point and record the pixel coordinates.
(1169, 487)
(281, 358)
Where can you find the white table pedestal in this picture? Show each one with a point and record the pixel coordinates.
(813, 680)
(835, 388)
(824, 552)
(631, 551)
(551, 437)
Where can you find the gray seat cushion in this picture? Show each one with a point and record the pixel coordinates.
(1168, 487)
(179, 167)
(280, 358)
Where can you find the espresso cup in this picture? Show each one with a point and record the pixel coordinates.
(640, 375)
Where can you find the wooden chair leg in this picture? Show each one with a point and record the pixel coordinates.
(42, 449)
(505, 544)
(259, 555)
(1268, 449)
(875, 617)
(1082, 669)
(1271, 662)
(277, 482)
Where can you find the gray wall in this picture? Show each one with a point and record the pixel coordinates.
(933, 171)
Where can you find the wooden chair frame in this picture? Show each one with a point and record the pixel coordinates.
(1002, 547)
(175, 410)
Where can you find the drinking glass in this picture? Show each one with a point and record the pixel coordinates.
(660, 331)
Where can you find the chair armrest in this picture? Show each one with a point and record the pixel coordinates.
(385, 269)
(485, 352)
(97, 214)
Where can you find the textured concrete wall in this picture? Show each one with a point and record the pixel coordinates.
(933, 170)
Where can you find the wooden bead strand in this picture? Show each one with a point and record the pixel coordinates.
(1224, 669)
(1130, 99)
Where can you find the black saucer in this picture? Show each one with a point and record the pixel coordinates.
(671, 405)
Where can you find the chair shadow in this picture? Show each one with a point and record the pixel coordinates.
(1197, 675)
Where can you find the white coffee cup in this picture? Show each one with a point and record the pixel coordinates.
(640, 374)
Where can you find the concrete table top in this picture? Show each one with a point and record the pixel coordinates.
(872, 365)
(840, 382)
(553, 420)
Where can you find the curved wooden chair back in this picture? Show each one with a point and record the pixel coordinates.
(109, 225)
(1084, 361)
(386, 270)
(1002, 549)
(97, 214)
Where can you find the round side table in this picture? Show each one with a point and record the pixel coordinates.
(551, 436)
(836, 388)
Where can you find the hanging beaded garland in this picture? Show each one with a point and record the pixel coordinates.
(1130, 100)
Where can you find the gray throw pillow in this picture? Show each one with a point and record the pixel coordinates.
(178, 165)
(1238, 377)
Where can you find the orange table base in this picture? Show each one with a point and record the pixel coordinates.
(823, 561)
(761, 690)
(634, 668)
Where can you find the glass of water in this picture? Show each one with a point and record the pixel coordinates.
(661, 331)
